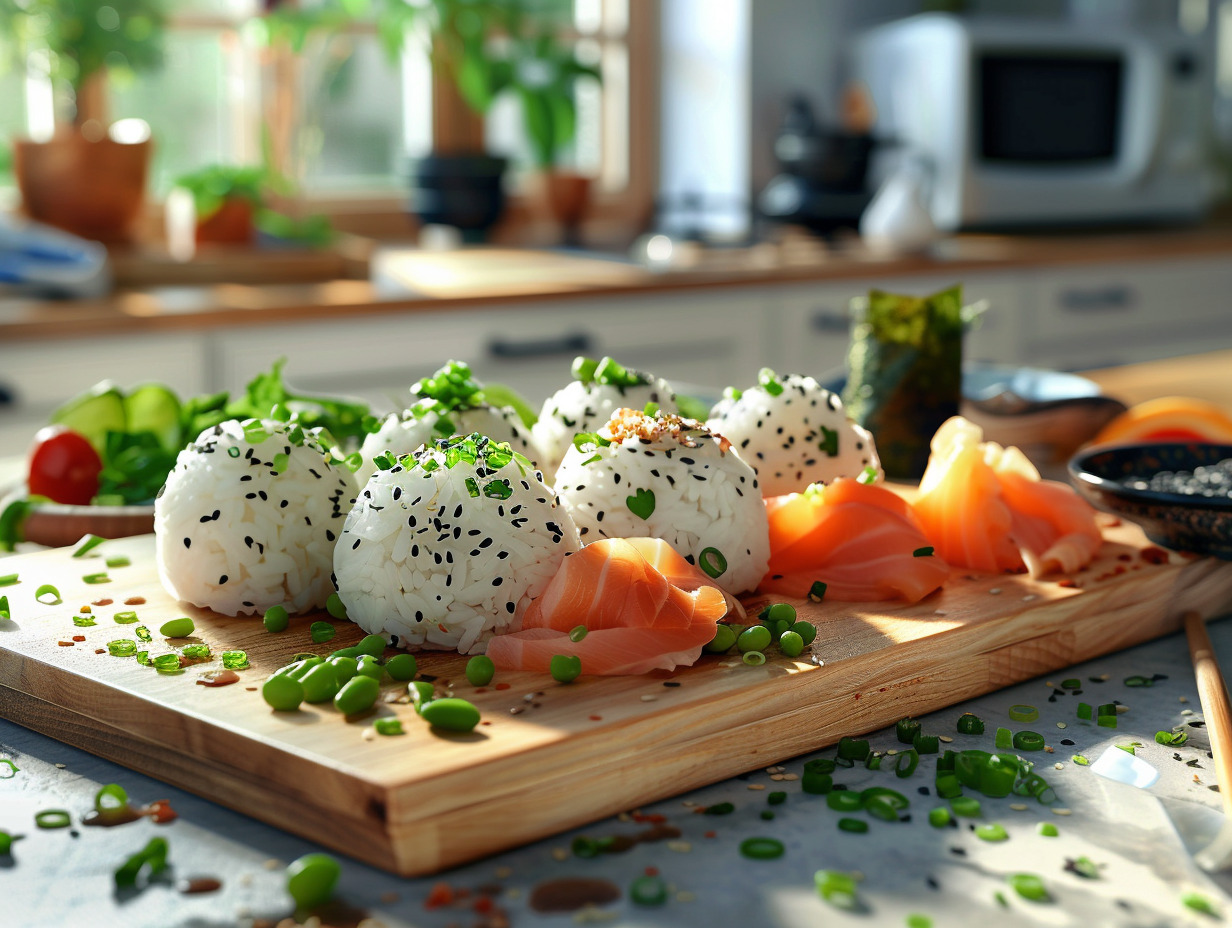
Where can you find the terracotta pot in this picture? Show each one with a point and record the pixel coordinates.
(230, 224)
(568, 197)
(92, 188)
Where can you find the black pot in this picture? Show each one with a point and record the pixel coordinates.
(463, 191)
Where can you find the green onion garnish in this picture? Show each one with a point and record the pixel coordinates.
(95, 579)
(8, 579)
(48, 589)
(966, 806)
(817, 591)
(1081, 760)
(321, 631)
(142, 633)
(905, 763)
(53, 818)
(761, 848)
(1004, 739)
(166, 663)
(153, 856)
(143, 658)
(6, 614)
(234, 660)
(712, 561)
(768, 381)
(926, 551)
(1139, 681)
(926, 744)
(970, 724)
(196, 652)
(852, 748)
(119, 560)
(88, 544)
(754, 658)
(1071, 683)
(84, 621)
(837, 888)
(1022, 713)
(125, 618)
(121, 647)
(388, 726)
(10, 767)
(1028, 741)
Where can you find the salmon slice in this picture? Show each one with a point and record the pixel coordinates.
(637, 617)
(858, 539)
(985, 507)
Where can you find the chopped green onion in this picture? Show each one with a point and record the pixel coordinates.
(720, 808)
(754, 658)
(196, 652)
(565, 668)
(125, 618)
(712, 561)
(1071, 683)
(817, 591)
(53, 818)
(648, 891)
(906, 729)
(89, 543)
(8, 579)
(768, 381)
(969, 724)
(776, 798)
(118, 561)
(991, 832)
(926, 551)
(321, 632)
(855, 826)
(577, 633)
(816, 779)
(388, 726)
(276, 619)
(1084, 867)
(84, 621)
(6, 614)
(844, 800)
(143, 633)
(761, 848)
(1084, 710)
(48, 589)
(12, 768)
(1023, 713)
(1199, 903)
(177, 628)
(837, 888)
(852, 748)
(1139, 681)
(1028, 741)
(926, 744)
(966, 806)
(234, 660)
(1047, 829)
(95, 579)
(110, 797)
(166, 663)
(1004, 739)
(122, 647)
(143, 658)
(905, 763)
(948, 786)
(1081, 760)
(939, 817)
(1029, 886)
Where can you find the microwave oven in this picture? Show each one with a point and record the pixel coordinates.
(1033, 122)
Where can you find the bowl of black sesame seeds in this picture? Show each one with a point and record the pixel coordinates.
(1180, 493)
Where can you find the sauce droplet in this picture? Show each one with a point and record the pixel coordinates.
(218, 678)
(199, 884)
(572, 893)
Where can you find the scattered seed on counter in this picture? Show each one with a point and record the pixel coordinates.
(757, 786)
(945, 738)
(790, 776)
(995, 591)
(560, 853)
(1018, 806)
(1061, 725)
(647, 697)
(680, 847)
(1062, 811)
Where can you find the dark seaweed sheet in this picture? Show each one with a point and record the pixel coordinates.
(905, 373)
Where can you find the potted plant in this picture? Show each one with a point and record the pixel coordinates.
(88, 178)
(485, 49)
(225, 201)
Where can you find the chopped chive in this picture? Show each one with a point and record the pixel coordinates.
(754, 658)
(8, 579)
(143, 633)
(906, 729)
(1071, 683)
(153, 855)
(119, 560)
(855, 826)
(712, 561)
(388, 726)
(234, 660)
(1004, 739)
(1028, 741)
(10, 767)
(905, 763)
(95, 579)
(926, 744)
(121, 647)
(48, 589)
(1023, 713)
(1138, 680)
(88, 544)
(321, 632)
(970, 724)
(53, 818)
(1084, 711)
(166, 663)
(1081, 760)
(125, 618)
(5, 614)
(143, 658)
(817, 591)
(196, 652)
(852, 748)
(84, 621)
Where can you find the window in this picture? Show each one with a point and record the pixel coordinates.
(340, 119)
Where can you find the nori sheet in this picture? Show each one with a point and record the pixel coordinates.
(905, 373)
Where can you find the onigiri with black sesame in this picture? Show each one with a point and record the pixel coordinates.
(597, 390)
(795, 433)
(447, 546)
(671, 478)
(249, 516)
(450, 402)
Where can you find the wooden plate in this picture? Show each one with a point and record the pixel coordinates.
(57, 525)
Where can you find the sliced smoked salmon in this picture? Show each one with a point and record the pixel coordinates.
(861, 540)
(643, 605)
(985, 507)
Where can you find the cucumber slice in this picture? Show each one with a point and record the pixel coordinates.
(153, 407)
(94, 413)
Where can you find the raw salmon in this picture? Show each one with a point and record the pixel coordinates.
(643, 605)
(861, 540)
(985, 507)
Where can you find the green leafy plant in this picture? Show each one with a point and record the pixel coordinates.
(83, 39)
(212, 186)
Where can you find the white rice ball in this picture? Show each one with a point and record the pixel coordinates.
(425, 422)
(794, 433)
(670, 478)
(449, 545)
(248, 518)
(587, 403)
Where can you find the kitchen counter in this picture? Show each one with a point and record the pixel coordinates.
(947, 875)
(409, 280)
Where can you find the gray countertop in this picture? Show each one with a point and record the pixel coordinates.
(948, 875)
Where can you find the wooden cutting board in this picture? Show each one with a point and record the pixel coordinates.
(546, 757)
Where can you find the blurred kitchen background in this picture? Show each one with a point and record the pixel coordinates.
(696, 187)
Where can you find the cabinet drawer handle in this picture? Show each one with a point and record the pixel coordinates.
(831, 320)
(1112, 298)
(508, 349)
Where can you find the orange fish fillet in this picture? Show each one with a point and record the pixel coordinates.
(985, 507)
(858, 539)
(644, 606)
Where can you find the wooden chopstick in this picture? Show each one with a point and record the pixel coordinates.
(1213, 694)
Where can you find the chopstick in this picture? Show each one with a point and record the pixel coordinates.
(1213, 694)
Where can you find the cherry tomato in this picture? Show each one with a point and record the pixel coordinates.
(64, 466)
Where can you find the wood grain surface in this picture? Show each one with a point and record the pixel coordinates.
(546, 756)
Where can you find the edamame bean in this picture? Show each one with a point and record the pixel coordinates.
(178, 628)
(276, 619)
(565, 668)
(451, 714)
(283, 693)
(372, 644)
(344, 668)
(320, 684)
(354, 651)
(300, 668)
(480, 670)
(721, 643)
(806, 630)
(368, 666)
(402, 667)
(357, 695)
(781, 612)
(791, 644)
(754, 638)
(311, 880)
(421, 693)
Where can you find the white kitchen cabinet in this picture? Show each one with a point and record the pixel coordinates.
(703, 338)
(1120, 313)
(36, 377)
(817, 319)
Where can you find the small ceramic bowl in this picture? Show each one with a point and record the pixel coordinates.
(1202, 524)
(57, 525)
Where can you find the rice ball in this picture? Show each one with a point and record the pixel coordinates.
(447, 546)
(670, 478)
(598, 390)
(249, 516)
(427, 421)
(794, 433)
